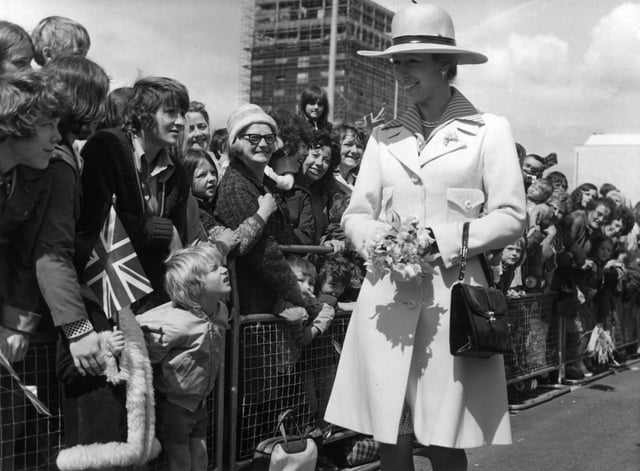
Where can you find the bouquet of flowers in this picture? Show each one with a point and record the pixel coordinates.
(601, 345)
(405, 250)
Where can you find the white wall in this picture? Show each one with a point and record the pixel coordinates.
(619, 165)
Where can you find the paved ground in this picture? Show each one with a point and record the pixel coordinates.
(595, 427)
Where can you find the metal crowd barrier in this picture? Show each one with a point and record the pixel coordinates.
(623, 324)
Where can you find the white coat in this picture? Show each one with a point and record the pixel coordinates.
(397, 342)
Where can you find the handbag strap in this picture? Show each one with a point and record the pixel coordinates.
(464, 253)
(281, 428)
(464, 250)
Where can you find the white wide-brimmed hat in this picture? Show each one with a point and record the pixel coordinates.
(424, 28)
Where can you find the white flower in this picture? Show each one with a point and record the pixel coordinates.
(449, 137)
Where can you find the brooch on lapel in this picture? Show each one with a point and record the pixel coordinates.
(449, 137)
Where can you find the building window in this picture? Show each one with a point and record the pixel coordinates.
(303, 77)
(256, 93)
(256, 78)
(278, 92)
(281, 60)
(303, 61)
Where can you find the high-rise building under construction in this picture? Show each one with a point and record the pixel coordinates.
(288, 48)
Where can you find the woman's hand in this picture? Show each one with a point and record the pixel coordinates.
(267, 205)
(338, 246)
(228, 237)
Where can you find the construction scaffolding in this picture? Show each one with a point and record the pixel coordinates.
(289, 50)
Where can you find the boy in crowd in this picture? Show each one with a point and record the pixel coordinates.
(185, 342)
(28, 136)
(59, 36)
(139, 167)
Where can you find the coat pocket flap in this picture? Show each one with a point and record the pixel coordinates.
(485, 302)
(466, 199)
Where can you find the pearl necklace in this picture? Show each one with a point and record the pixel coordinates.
(429, 124)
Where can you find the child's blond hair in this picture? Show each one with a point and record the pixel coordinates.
(186, 270)
(62, 36)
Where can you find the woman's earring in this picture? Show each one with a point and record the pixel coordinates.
(443, 74)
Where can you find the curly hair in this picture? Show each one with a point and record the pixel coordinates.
(85, 87)
(626, 216)
(329, 139)
(25, 101)
(336, 269)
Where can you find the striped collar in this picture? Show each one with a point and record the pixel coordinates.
(457, 108)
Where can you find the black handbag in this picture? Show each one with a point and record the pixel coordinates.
(286, 452)
(478, 324)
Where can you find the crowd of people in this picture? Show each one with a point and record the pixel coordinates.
(581, 244)
(190, 198)
(187, 197)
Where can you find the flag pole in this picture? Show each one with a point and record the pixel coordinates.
(333, 46)
(116, 314)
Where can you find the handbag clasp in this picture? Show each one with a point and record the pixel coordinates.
(492, 316)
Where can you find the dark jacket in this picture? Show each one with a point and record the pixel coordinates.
(54, 253)
(263, 273)
(306, 210)
(110, 169)
(21, 216)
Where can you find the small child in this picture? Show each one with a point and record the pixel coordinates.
(185, 342)
(334, 277)
(315, 318)
(511, 257)
(315, 364)
(58, 36)
(203, 174)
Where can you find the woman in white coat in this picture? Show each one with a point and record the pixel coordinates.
(443, 162)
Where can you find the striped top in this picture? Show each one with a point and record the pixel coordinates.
(459, 107)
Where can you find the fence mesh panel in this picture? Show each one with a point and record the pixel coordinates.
(28, 440)
(535, 331)
(276, 375)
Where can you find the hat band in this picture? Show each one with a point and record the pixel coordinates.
(424, 39)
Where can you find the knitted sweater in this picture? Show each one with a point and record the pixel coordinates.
(263, 273)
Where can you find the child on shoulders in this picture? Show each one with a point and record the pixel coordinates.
(185, 342)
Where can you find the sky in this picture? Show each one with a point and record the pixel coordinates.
(559, 70)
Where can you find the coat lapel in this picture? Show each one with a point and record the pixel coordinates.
(449, 138)
(403, 146)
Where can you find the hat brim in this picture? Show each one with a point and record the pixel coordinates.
(464, 56)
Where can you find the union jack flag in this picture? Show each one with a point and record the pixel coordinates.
(114, 272)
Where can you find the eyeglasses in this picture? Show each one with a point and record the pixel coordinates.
(255, 139)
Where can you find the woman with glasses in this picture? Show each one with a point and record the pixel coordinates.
(263, 274)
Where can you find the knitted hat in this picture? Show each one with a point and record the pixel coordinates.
(246, 115)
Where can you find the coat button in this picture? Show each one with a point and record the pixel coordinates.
(468, 204)
(415, 179)
(454, 259)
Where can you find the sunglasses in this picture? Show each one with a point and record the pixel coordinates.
(255, 139)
